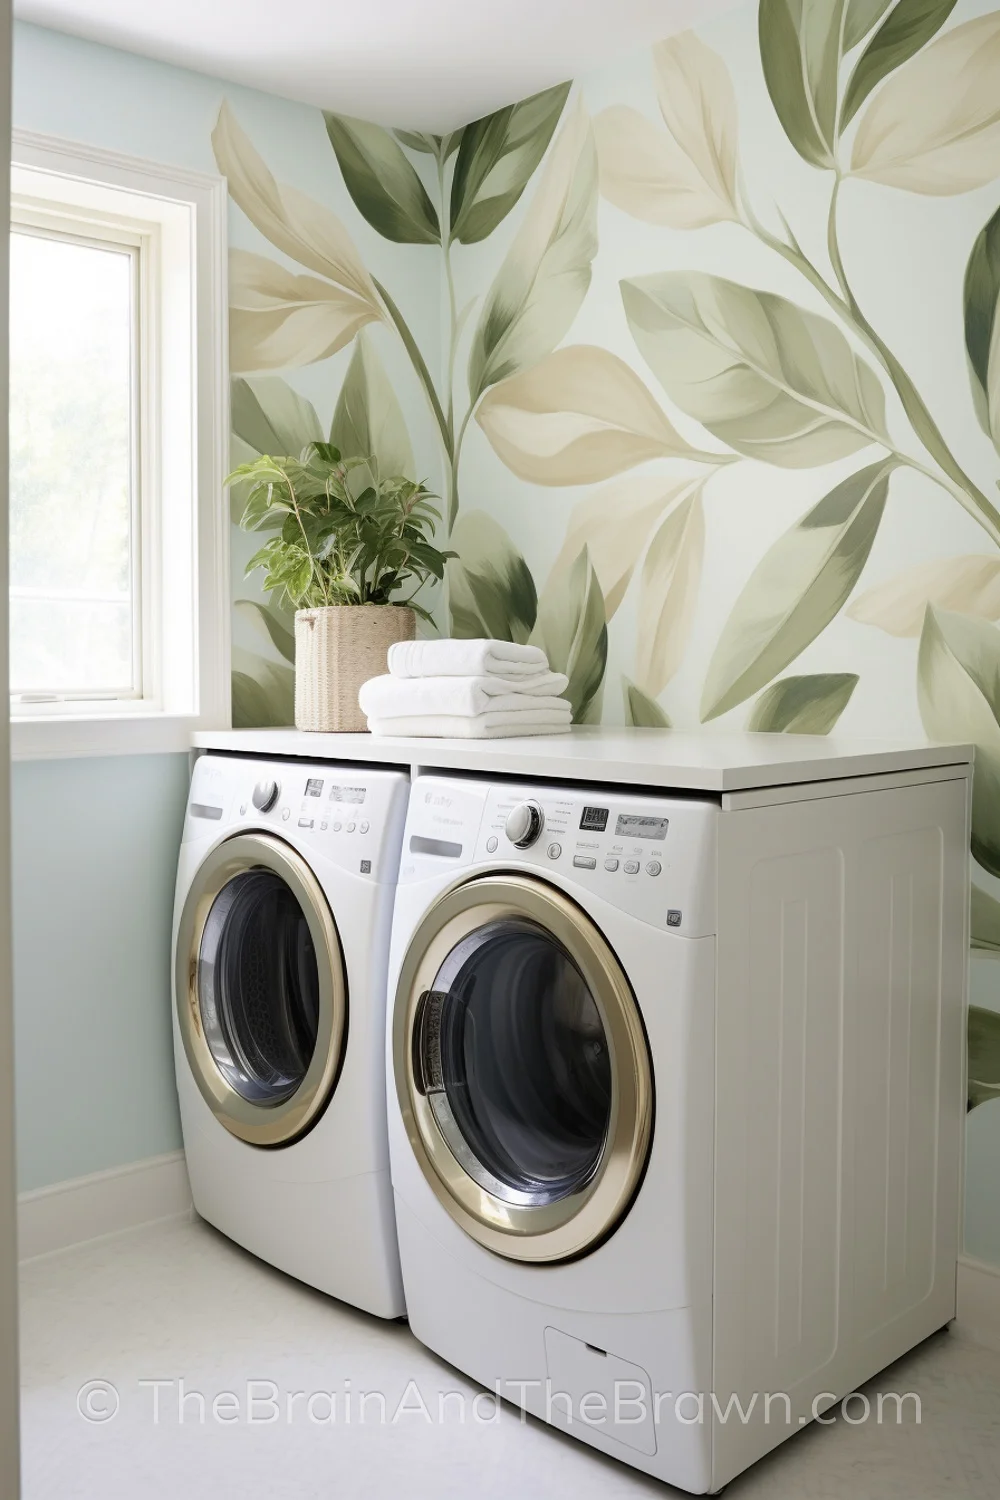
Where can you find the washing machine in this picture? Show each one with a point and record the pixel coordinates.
(281, 941)
(675, 1099)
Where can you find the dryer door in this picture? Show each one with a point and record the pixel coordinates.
(522, 1069)
(261, 990)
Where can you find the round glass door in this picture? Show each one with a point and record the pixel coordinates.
(260, 989)
(522, 1069)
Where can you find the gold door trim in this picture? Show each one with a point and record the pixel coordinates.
(262, 1124)
(577, 1223)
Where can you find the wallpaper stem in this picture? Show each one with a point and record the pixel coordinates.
(419, 365)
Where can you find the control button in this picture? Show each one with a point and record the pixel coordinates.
(349, 828)
(611, 864)
(364, 827)
(491, 844)
(337, 827)
(265, 795)
(653, 867)
(631, 867)
(584, 862)
(243, 808)
(524, 823)
(286, 813)
(306, 822)
(554, 851)
(324, 826)
(673, 919)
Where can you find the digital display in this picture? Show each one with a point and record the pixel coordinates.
(630, 826)
(347, 794)
(314, 787)
(594, 819)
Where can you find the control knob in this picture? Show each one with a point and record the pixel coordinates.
(265, 795)
(524, 823)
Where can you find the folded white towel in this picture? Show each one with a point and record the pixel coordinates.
(487, 726)
(393, 697)
(455, 658)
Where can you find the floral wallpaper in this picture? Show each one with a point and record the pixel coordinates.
(711, 392)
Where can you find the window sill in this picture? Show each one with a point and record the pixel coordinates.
(65, 736)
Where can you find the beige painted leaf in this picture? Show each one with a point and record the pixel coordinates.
(771, 379)
(545, 274)
(934, 125)
(686, 176)
(671, 575)
(579, 416)
(614, 523)
(278, 320)
(958, 689)
(967, 585)
(293, 222)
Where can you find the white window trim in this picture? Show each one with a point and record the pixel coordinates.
(193, 572)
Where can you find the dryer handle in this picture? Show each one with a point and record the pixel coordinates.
(428, 1074)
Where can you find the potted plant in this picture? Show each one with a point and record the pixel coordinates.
(347, 541)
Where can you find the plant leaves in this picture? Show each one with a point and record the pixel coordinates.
(985, 921)
(800, 49)
(671, 576)
(958, 690)
(545, 274)
(278, 627)
(934, 126)
(491, 593)
(496, 159)
(573, 633)
(641, 711)
(384, 185)
(685, 177)
(907, 28)
(968, 585)
(263, 693)
(984, 1055)
(368, 421)
(580, 415)
(298, 225)
(803, 705)
(773, 381)
(615, 524)
(272, 418)
(278, 320)
(796, 589)
(861, 16)
(981, 295)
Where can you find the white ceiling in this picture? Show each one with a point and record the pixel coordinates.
(425, 64)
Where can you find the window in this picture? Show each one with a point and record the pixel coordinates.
(119, 525)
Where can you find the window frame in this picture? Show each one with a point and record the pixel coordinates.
(182, 537)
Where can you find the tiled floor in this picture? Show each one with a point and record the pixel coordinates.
(177, 1303)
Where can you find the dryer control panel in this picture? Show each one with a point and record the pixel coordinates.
(651, 855)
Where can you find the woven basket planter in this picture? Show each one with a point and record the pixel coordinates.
(336, 650)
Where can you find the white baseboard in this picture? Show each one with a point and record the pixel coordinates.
(978, 1314)
(89, 1208)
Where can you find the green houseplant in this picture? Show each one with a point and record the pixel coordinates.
(346, 542)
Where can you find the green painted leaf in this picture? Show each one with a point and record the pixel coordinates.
(641, 711)
(985, 921)
(803, 705)
(279, 627)
(496, 159)
(800, 49)
(491, 592)
(272, 418)
(907, 28)
(767, 377)
(384, 185)
(416, 140)
(545, 274)
(861, 16)
(984, 1055)
(981, 295)
(796, 589)
(958, 689)
(572, 630)
(263, 693)
(368, 421)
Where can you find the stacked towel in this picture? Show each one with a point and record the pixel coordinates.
(466, 690)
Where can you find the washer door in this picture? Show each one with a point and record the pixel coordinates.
(522, 1069)
(261, 990)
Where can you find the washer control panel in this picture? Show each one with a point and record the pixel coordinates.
(652, 855)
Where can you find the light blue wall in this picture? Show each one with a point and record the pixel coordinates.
(94, 857)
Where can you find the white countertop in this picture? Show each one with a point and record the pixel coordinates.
(709, 761)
